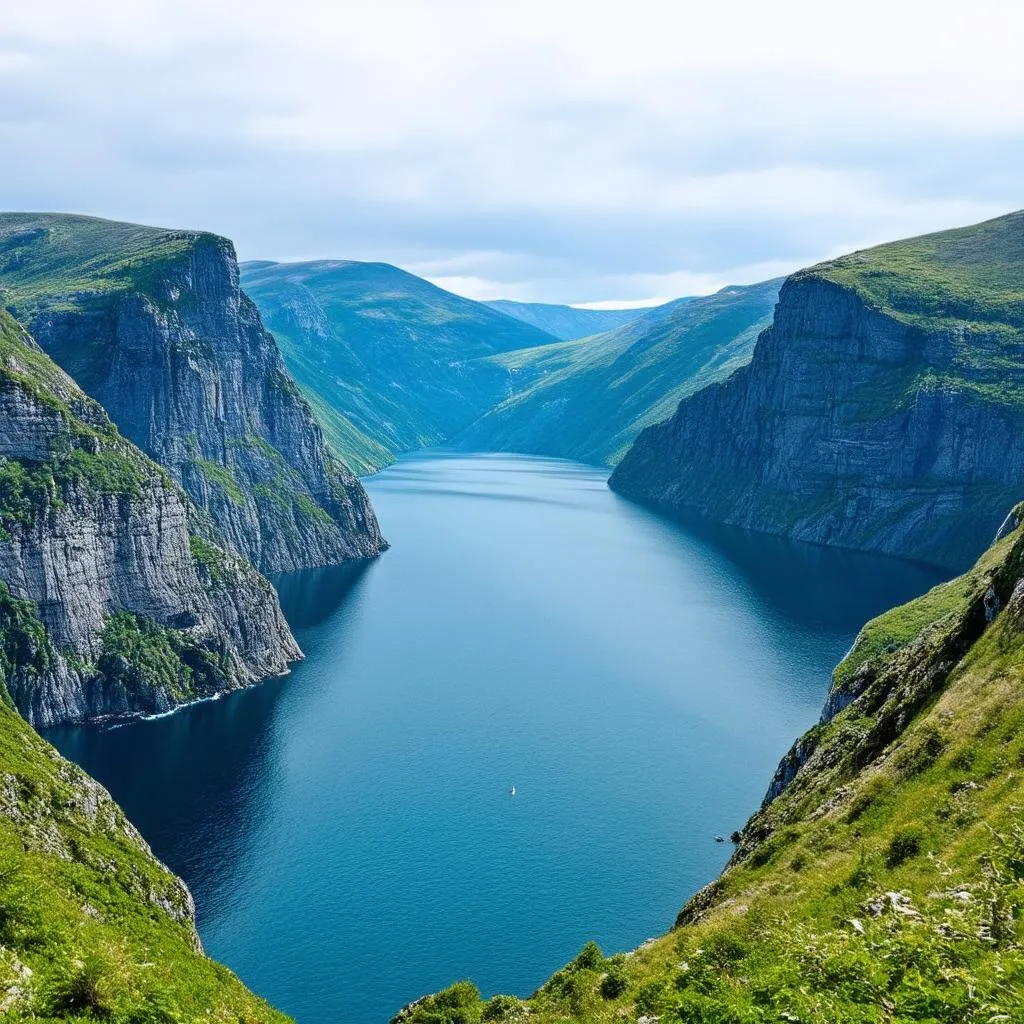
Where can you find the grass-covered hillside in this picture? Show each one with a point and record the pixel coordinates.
(565, 322)
(883, 879)
(971, 275)
(589, 399)
(389, 362)
(92, 926)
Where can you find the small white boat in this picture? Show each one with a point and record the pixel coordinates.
(512, 791)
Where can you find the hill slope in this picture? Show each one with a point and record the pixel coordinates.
(92, 926)
(589, 399)
(565, 322)
(115, 595)
(881, 880)
(389, 361)
(884, 408)
(153, 325)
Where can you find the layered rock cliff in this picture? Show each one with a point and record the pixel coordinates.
(883, 409)
(153, 324)
(116, 596)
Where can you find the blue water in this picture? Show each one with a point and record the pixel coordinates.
(348, 830)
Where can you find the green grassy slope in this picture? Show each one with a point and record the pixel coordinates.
(885, 883)
(388, 360)
(968, 282)
(92, 926)
(565, 322)
(966, 275)
(589, 399)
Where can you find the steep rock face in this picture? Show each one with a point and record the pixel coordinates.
(894, 427)
(154, 325)
(137, 607)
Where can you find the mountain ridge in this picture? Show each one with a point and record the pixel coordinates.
(389, 361)
(153, 324)
(881, 410)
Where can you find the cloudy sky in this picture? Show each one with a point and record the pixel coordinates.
(554, 150)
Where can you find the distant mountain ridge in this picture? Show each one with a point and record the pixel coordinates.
(589, 399)
(566, 322)
(392, 363)
(389, 361)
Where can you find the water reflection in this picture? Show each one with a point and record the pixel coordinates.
(348, 831)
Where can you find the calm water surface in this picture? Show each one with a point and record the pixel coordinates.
(348, 830)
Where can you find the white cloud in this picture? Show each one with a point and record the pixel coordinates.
(570, 151)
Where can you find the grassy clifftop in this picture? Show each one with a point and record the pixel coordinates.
(972, 275)
(883, 880)
(92, 926)
(55, 258)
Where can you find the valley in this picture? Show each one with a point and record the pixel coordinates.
(799, 470)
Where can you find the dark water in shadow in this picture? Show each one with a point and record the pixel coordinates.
(348, 831)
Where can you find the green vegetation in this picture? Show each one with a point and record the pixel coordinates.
(886, 882)
(388, 361)
(167, 659)
(59, 263)
(23, 641)
(589, 399)
(970, 275)
(968, 282)
(212, 559)
(92, 926)
(222, 477)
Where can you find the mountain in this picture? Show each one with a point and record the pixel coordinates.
(115, 595)
(588, 399)
(881, 878)
(153, 325)
(565, 322)
(883, 409)
(92, 925)
(389, 361)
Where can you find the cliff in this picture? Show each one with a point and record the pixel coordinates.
(116, 597)
(92, 926)
(881, 879)
(882, 410)
(154, 325)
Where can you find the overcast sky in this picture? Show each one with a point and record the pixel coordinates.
(548, 150)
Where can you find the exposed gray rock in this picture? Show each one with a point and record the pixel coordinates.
(120, 540)
(179, 358)
(846, 430)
